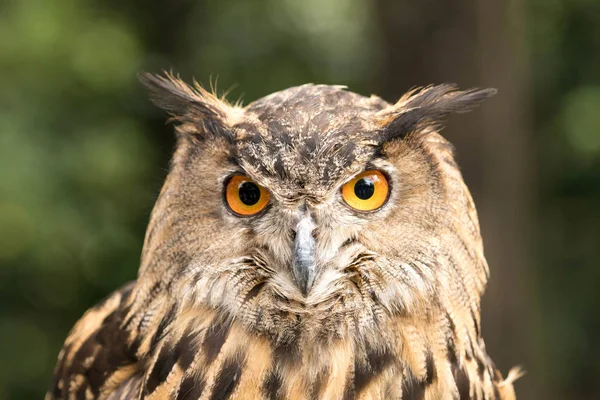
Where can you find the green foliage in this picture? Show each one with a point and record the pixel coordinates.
(581, 119)
(75, 176)
(565, 43)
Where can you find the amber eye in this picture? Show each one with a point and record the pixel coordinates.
(244, 196)
(367, 192)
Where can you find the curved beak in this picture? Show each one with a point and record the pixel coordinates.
(304, 262)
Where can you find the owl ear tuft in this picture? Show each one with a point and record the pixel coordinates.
(193, 108)
(428, 107)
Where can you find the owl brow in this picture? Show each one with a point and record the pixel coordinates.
(235, 170)
(234, 160)
(378, 154)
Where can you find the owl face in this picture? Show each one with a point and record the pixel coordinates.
(313, 206)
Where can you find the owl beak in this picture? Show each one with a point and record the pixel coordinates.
(304, 263)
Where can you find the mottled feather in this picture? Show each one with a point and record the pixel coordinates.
(216, 313)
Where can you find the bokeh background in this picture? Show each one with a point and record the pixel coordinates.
(83, 153)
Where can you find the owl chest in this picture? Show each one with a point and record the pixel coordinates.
(231, 363)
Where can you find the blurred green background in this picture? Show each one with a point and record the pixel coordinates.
(83, 153)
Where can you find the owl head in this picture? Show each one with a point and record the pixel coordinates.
(313, 208)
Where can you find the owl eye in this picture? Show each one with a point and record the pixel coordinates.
(366, 192)
(244, 196)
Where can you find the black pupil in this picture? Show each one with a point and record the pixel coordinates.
(249, 193)
(364, 189)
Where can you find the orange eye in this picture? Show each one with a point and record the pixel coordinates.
(244, 196)
(367, 192)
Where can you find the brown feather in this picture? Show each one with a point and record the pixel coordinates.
(394, 312)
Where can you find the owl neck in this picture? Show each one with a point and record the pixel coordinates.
(401, 356)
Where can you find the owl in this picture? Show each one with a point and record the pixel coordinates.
(314, 244)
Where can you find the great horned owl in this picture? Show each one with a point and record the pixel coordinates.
(315, 244)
